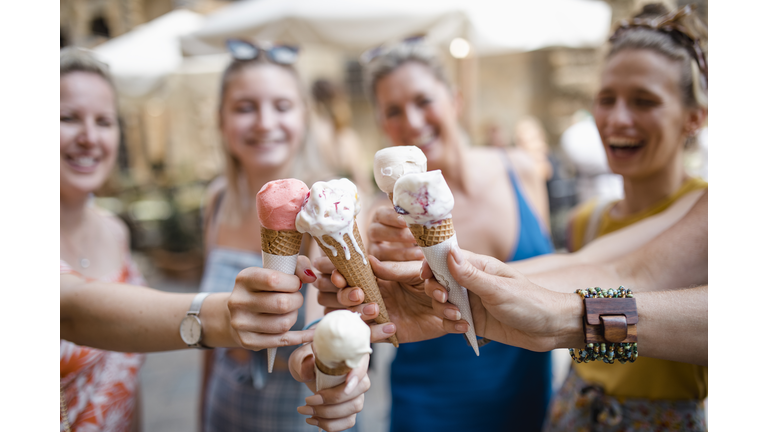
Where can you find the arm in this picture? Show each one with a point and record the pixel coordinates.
(615, 244)
(257, 314)
(510, 309)
(676, 258)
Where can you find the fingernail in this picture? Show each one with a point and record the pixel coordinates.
(309, 272)
(351, 385)
(402, 221)
(355, 295)
(312, 421)
(462, 327)
(439, 296)
(306, 410)
(389, 329)
(452, 314)
(370, 309)
(314, 400)
(457, 254)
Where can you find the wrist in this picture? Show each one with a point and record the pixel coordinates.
(215, 318)
(571, 330)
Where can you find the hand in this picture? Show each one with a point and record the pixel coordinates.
(264, 306)
(390, 239)
(402, 289)
(507, 307)
(336, 408)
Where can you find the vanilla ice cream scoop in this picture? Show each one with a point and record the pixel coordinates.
(330, 210)
(342, 337)
(391, 163)
(423, 199)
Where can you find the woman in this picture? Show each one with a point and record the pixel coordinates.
(263, 119)
(98, 387)
(500, 210)
(652, 102)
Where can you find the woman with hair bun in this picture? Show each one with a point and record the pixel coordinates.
(651, 104)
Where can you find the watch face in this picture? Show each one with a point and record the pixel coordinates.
(190, 330)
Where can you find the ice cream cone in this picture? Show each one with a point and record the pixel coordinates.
(341, 369)
(283, 243)
(281, 249)
(426, 237)
(357, 272)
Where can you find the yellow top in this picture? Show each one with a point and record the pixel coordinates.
(646, 378)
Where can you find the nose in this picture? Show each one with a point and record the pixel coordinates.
(620, 115)
(414, 117)
(266, 119)
(88, 135)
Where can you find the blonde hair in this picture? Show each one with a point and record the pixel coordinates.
(75, 59)
(308, 165)
(398, 55)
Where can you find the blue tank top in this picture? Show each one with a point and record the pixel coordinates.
(441, 385)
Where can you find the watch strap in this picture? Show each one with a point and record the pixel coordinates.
(197, 303)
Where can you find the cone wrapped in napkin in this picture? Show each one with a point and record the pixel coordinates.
(341, 341)
(329, 216)
(278, 202)
(425, 201)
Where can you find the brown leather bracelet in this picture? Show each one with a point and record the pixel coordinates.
(610, 326)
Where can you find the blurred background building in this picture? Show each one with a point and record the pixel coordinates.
(517, 63)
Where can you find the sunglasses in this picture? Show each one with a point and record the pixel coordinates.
(372, 53)
(280, 54)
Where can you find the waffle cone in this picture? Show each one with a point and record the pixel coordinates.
(283, 243)
(341, 369)
(426, 237)
(357, 273)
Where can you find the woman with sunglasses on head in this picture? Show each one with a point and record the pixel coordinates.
(263, 119)
(500, 210)
(652, 102)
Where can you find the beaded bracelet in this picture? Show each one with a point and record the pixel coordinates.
(606, 351)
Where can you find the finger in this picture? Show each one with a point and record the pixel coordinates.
(486, 286)
(446, 311)
(258, 341)
(265, 302)
(248, 321)
(324, 284)
(381, 332)
(301, 364)
(333, 425)
(435, 291)
(455, 326)
(350, 296)
(387, 215)
(426, 270)
(304, 270)
(341, 411)
(396, 252)
(260, 279)
(336, 395)
(338, 280)
(323, 264)
(490, 265)
(329, 300)
(368, 311)
(404, 272)
(379, 232)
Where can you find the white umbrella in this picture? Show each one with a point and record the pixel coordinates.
(141, 58)
(493, 27)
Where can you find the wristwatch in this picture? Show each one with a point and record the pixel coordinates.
(191, 328)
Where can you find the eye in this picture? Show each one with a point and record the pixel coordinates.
(605, 100)
(105, 121)
(66, 118)
(392, 112)
(645, 103)
(245, 107)
(283, 105)
(423, 101)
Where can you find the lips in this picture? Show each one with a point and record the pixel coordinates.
(424, 139)
(82, 163)
(624, 147)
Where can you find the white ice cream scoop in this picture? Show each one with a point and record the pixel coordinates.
(423, 199)
(391, 163)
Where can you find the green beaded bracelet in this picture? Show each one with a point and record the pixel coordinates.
(607, 352)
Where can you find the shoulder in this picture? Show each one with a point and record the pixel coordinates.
(523, 164)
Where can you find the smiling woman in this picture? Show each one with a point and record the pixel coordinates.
(651, 103)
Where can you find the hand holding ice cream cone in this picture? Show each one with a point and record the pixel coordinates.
(278, 202)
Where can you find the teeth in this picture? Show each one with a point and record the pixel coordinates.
(623, 142)
(85, 161)
(424, 139)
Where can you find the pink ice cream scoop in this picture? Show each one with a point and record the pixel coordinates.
(279, 202)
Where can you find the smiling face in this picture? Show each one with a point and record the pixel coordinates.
(88, 133)
(416, 108)
(263, 117)
(640, 114)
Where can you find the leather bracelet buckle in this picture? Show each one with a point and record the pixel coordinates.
(610, 320)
